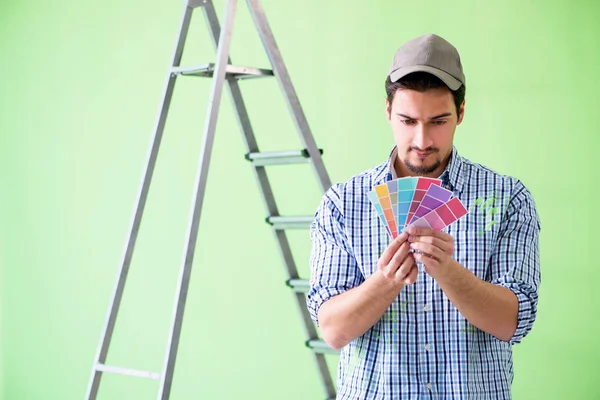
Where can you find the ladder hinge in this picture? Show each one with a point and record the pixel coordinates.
(232, 71)
(197, 3)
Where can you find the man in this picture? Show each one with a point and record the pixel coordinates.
(429, 314)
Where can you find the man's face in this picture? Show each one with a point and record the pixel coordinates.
(423, 126)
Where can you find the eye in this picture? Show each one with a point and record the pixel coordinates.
(439, 122)
(408, 121)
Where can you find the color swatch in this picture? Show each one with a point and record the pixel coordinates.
(406, 190)
(415, 201)
(434, 197)
(375, 201)
(392, 187)
(387, 200)
(422, 185)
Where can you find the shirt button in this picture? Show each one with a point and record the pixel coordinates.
(427, 347)
(429, 386)
(425, 308)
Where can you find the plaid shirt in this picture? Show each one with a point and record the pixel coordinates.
(422, 347)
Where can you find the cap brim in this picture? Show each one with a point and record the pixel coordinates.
(448, 79)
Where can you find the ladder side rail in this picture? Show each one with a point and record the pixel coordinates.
(271, 207)
(285, 82)
(201, 179)
(136, 218)
(260, 173)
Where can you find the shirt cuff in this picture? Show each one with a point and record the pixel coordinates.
(316, 298)
(525, 316)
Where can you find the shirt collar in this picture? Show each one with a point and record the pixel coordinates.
(384, 172)
(451, 177)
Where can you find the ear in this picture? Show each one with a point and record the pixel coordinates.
(462, 113)
(388, 110)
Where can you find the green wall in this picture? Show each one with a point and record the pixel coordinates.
(80, 84)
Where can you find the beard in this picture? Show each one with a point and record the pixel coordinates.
(422, 169)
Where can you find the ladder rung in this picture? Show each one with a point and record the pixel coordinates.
(279, 157)
(319, 346)
(236, 71)
(127, 371)
(299, 285)
(281, 223)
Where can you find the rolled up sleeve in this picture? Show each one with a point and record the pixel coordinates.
(516, 260)
(333, 268)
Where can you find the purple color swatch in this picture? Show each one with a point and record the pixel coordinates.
(439, 193)
(443, 216)
(434, 198)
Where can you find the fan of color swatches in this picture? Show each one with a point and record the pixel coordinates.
(417, 201)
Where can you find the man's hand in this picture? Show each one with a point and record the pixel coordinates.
(491, 308)
(350, 314)
(397, 262)
(436, 249)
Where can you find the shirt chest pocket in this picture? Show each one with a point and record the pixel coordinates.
(473, 250)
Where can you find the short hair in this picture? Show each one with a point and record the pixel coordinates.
(421, 82)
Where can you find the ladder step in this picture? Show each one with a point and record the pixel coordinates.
(299, 285)
(279, 157)
(319, 346)
(281, 223)
(235, 71)
(127, 371)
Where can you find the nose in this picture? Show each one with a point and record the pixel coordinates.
(421, 138)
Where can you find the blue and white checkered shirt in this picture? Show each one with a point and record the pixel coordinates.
(422, 347)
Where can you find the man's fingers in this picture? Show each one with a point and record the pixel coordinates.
(397, 259)
(392, 248)
(429, 262)
(428, 250)
(405, 267)
(412, 275)
(445, 246)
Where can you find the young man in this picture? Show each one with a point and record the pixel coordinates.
(430, 314)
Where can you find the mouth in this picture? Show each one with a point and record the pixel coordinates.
(422, 154)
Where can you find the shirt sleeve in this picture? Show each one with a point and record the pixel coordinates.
(516, 260)
(333, 267)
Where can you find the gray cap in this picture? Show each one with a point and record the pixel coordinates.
(432, 54)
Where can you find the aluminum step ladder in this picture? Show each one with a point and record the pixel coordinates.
(222, 71)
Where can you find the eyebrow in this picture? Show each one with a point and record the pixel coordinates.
(432, 118)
